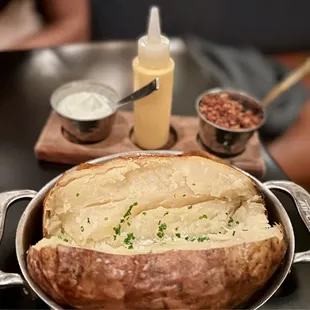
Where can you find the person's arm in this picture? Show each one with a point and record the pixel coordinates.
(66, 21)
(292, 150)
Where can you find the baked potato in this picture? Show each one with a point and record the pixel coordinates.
(155, 231)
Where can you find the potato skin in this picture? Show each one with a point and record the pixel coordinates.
(221, 278)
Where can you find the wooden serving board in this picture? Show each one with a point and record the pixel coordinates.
(52, 146)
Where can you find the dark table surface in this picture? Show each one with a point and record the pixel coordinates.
(27, 80)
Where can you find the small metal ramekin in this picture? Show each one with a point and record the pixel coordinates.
(223, 141)
(85, 131)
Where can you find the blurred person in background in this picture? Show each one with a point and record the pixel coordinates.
(26, 24)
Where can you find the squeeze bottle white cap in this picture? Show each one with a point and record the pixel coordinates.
(153, 49)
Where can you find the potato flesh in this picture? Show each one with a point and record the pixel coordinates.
(195, 201)
(249, 225)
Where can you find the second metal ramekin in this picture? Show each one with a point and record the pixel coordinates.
(223, 141)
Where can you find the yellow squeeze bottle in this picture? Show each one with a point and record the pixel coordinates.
(152, 113)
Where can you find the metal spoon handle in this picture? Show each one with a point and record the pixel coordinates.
(294, 77)
(140, 93)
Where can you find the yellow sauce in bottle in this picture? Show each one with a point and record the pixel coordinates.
(152, 113)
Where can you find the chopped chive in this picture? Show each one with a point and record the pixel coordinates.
(166, 213)
(178, 235)
(129, 239)
(160, 234)
(82, 228)
(191, 239)
(233, 233)
(162, 226)
(237, 222)
(88, 220)
(144, 213)
(128, 224)
(122, 220)
(77, 194)
(177, 228)
(161, 229)
(189, 207)
(128, 212)
(203, 217)
(66, 240)
(117, 231)
(202, 239)
(106, 218)
(59, 236)
(230, 221)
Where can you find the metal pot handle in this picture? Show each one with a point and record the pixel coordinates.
(6, 199)
(302, 202)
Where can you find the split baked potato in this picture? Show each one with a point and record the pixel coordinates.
(155, 231)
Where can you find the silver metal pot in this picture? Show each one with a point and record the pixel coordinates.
(29, 230)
